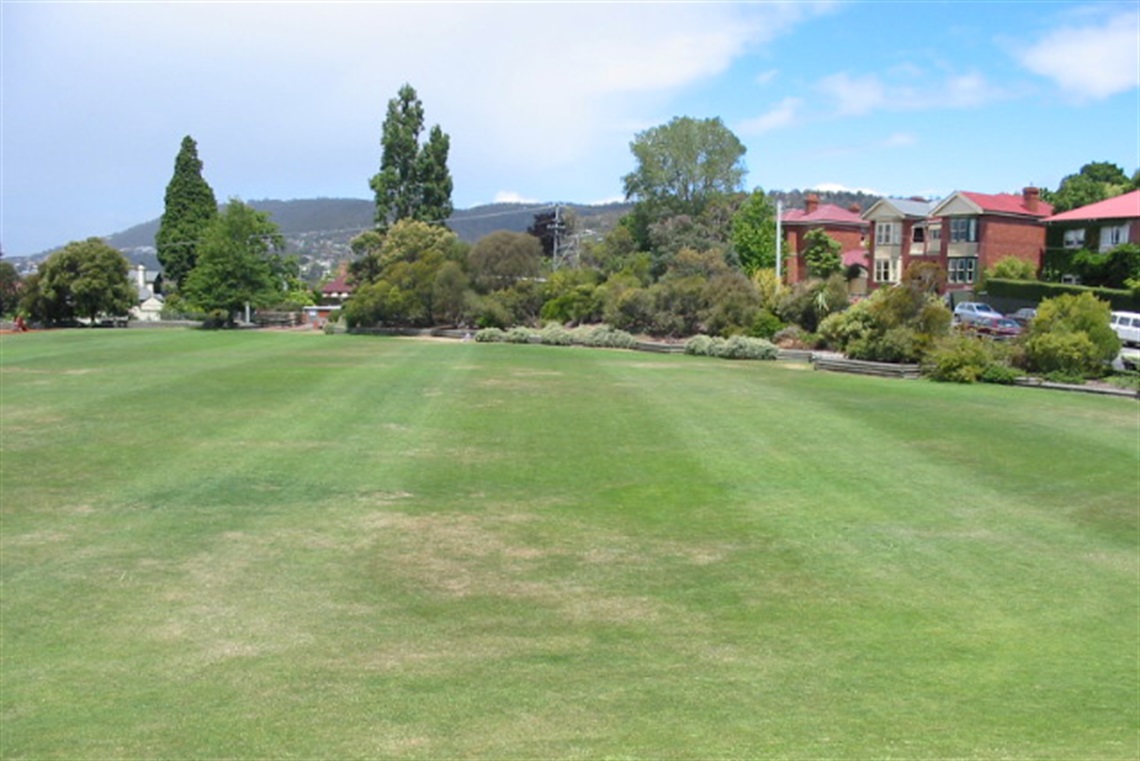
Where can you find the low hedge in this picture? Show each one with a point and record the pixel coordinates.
(1036, 292)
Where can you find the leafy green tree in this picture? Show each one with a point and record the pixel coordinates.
(1012, 268)
(502, 258)
(681, 167)
(239, 263)
(754, 232)
(190, 207)
(1094, 182)
(683, 164)
(10, 284)
(84, 279)
(413, 181)
(822, 254)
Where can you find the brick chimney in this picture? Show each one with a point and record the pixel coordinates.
(811, 203)
(855, 209)
(1031, 195)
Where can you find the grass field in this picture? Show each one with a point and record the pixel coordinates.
(274, 545)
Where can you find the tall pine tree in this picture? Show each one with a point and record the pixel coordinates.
(413, 182)
(190, 207)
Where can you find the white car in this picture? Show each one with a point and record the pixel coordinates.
(975, 311)
(1126, 325)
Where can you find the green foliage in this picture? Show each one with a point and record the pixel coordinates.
(732, 305)
(682, 165)
(1012, 268)
(969, 359)
(896, 324)
(85, 279)
(556, 335)
(1119, 299)
(604, 336)
(1113, 269)
(499, 260)
(10, 285)
(1071, 335)
(823, 255)
(413, 181)
(765, 324)
(238, 262)
(753, 233)
(490, 335)
(926, 277)
(1094, 182)
(735, 347)
(189, 208)
(518, 335)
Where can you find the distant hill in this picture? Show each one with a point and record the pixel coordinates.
(319, 230)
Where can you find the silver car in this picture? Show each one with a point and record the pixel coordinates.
(975, 311)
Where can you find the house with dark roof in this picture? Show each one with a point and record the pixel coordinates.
(977, 230)
(844, 225)
(900, 232)
(1098, 227)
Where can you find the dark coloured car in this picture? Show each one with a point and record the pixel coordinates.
(1000, 327)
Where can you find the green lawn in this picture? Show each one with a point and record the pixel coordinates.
(275, 545)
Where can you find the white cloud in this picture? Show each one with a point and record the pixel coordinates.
(1090, 62)
(766, 77)
(835, 187)
(510, 196)
(906, 89)
(782, 115)
(899, 140)
(854, 96)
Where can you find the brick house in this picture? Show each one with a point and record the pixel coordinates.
(1098, 227)
(978, 229)
(900, 231)
(844, 225)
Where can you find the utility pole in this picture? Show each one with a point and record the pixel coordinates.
(779, 241)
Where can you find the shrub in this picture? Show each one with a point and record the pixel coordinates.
(518, 335)
(556, 335)
(1071, 335)
(604, 336)
(1012, 268)
(743, 347)
(765, 325)
(794, 337)
(699, 345)
(490, 335)
(965, 359)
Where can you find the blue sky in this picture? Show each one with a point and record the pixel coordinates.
(541, 100)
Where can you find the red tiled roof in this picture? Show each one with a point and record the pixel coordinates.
(1121, 207)
(825, 212)
(855, 256)
(1008, 203)
(340, 285)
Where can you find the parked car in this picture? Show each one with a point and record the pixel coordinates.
(999, 327)
(1023, 316)
(1126, 325)
(975, 311)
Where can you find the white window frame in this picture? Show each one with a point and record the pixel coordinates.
(886, 270)
(964, 230)
(1112, 236)
(1075, 237)
(961, 269)
(888, 233)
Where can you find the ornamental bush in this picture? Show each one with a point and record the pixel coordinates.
(967, 359)
(699, 345)
(743, 347)
(1071, 335)
(490, 335)
(518, 335)
(604, 336)
(556, 335)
